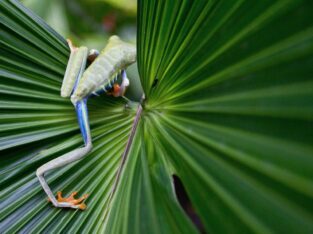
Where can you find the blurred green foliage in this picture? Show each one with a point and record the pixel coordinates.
(91, 23)
(88, 22)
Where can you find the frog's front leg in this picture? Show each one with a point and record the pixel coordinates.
(119, 90)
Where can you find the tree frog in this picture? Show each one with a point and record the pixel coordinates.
(80, 84)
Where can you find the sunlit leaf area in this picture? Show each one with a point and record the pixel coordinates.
(224, 141)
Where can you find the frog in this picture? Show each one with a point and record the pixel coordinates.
(105, 69)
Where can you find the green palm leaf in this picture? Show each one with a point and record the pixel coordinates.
(228, 110)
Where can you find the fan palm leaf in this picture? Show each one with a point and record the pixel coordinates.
(228, 110)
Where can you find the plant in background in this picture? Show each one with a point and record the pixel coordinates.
(228, 111)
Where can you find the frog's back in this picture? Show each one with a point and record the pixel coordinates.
(116, 56)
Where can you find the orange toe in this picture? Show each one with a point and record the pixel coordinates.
(82, 206)
(116, 91)
(72, 200)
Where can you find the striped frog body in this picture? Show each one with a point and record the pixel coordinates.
(101, 74)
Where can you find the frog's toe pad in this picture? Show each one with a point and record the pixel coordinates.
(75, 203)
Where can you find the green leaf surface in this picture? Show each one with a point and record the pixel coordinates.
(228, 110)
(230, 90)
(144, 200)
(38, 125)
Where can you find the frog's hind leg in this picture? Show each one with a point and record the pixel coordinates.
(74, 70)
(82, 114)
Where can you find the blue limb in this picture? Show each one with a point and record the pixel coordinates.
(74, 155)
(82, 116)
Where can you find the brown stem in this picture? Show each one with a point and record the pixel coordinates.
(127, 148)
(126, 151)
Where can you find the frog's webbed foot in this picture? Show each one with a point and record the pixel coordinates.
(70, 201)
